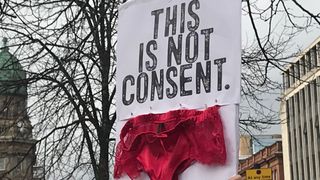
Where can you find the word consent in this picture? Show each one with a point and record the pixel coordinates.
(183, 54)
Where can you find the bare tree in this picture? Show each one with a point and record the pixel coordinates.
(66, 48)
(274, 25)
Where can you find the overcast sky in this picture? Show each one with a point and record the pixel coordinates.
(301, 41)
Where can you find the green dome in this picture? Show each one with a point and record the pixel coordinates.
(12, 76)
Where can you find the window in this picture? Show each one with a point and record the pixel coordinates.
(292, 76)
(297, 70)
(308, 62)
(284, 85)
(287, 75)
(274, 175)
(313, 57)
(4, 111)
(2, 164)
(19, 167)
(318, 54)
(302, 66)
(2, 130)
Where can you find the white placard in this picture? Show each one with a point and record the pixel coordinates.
(174, 54)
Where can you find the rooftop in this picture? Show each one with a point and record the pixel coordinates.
(12, 75)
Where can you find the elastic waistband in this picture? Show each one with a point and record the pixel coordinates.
(164, 122)
(165, 117)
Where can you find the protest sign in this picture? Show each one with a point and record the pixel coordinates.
(176, 54)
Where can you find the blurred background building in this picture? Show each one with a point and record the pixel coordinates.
(17, 146)
(300, 109)
(261, 151)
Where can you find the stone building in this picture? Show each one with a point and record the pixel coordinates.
(300, 109)
(17, 151)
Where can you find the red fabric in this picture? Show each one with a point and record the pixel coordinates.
(164, 145)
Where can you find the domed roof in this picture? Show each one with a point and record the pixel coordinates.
(12, 75)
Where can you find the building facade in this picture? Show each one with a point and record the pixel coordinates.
(245, 147)
(250, 145)
(268, 157)
(17, 151)
(300, 109)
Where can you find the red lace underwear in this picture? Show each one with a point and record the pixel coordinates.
(164, 145)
